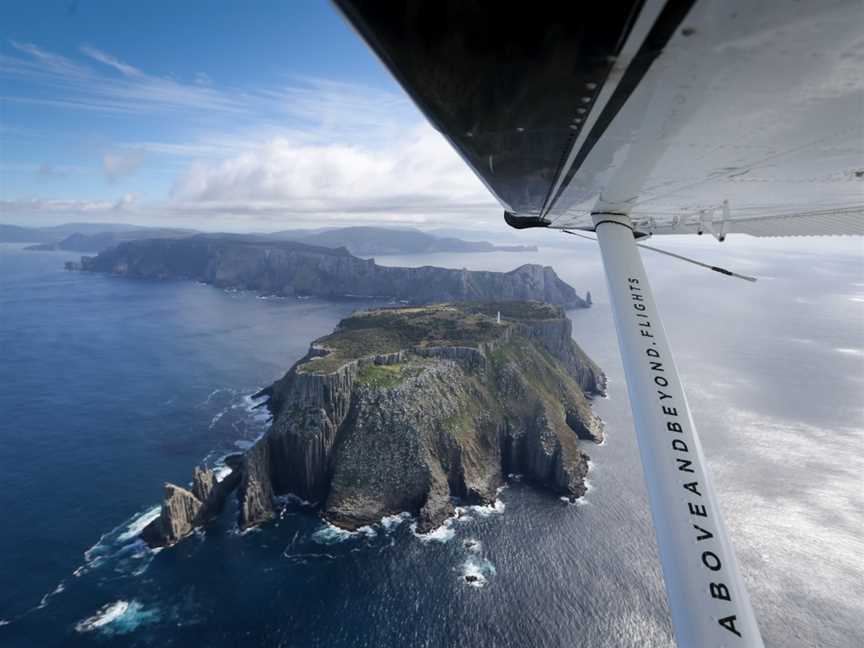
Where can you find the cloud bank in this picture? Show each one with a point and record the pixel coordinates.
(301, 150)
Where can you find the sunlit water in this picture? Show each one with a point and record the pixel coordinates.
(112, 386)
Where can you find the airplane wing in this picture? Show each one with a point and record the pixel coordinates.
(662, 110)
(638, 117)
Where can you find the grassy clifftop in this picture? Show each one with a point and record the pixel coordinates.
(386, 330)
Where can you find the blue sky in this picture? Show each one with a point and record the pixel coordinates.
(216, 115)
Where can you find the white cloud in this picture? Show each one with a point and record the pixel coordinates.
(304, 149)
(78, 85)
(119, 166)
(111, 61)
(419, 172)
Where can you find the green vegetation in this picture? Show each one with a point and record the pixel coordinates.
(515, 310)
(384, 376)
(388, 330)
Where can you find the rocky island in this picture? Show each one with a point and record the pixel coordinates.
(288, 268)
(406, 410)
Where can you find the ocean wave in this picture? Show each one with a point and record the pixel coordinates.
(330, 534)
(106, 614)
(134, 529)
(444, 533)
(119, 617)
(305, 558)
(43, 602)
(217, 417)
(254, 407)
(122, 547)
(482, 510)
(477, 571)
(390, 522)
(219, 390)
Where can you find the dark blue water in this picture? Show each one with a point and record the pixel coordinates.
(109, 387)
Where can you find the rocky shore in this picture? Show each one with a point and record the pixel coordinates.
(412, 409)
(296, 269)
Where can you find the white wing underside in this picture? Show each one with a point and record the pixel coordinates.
(829, 222)
(760, 108)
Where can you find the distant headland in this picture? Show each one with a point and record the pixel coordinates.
(287, 268)
(360, 240)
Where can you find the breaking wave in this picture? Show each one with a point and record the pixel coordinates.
(330, 534)
(476, 572)
(444, 533)
(119, 617)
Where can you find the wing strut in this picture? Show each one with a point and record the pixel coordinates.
(707, 597)
(681, 257)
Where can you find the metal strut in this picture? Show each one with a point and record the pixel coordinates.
(707, 597)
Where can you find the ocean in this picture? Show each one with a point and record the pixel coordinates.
(110, 387)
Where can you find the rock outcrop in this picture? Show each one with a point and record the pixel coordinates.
(406, 409)
(290, 268)
(184, 510)
(411, 409)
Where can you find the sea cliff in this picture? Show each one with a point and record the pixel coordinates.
(297, 269)
(411, 409)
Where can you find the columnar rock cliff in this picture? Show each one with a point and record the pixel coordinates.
(406, 409)
(288, 268)
(402, 410)
(183, 510)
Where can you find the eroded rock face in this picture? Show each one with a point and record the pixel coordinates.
(412, 428)
(184, 510)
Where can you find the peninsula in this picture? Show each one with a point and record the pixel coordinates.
(403, 410)
(288, 268)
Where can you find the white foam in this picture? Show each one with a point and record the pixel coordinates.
(443, 533)
(120, 617)
(485, 510)
(390, 522)
(579, 501)
(138, 524)
(476, 572)
(106, 614)
(331, 534)
(216, 418)
(57, 590)
(4, 622)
